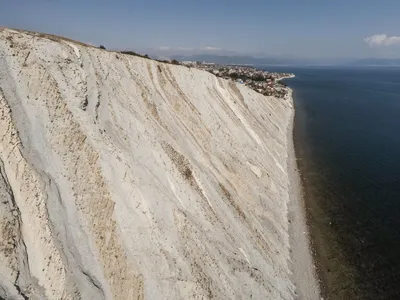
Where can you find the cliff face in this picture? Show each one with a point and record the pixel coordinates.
(125, 178)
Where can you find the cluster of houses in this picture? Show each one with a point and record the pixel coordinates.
(264, 82)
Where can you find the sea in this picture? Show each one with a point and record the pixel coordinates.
(347, 142)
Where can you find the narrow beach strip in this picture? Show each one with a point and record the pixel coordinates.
(303, 266)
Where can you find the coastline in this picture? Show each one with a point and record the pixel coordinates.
(303, 265)
(287, 77)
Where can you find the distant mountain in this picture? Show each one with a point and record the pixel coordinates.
(240, 59)
(370, 62)
(262, 61)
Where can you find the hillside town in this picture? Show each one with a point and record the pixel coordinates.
(264, 82)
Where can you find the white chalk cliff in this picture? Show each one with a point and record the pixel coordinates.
(126, 178)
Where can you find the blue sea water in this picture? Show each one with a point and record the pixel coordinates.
(347, 140)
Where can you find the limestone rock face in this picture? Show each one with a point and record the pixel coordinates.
(125, 178)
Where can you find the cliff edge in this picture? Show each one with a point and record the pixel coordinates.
(125, 178)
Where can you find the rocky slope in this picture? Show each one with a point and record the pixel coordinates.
(125, 178)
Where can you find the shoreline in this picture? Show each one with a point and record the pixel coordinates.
(303, 266)
(335, 275)
(288, 77)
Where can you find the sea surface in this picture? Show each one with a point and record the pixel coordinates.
(347, 140)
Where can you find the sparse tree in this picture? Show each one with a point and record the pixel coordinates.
(258, 77)
(102, 47)
(234, 75)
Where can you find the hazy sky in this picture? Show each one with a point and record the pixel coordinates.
(309, 28)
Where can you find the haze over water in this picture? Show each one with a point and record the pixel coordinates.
(347, 137)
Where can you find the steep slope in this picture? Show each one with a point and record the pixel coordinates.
(124, 178)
